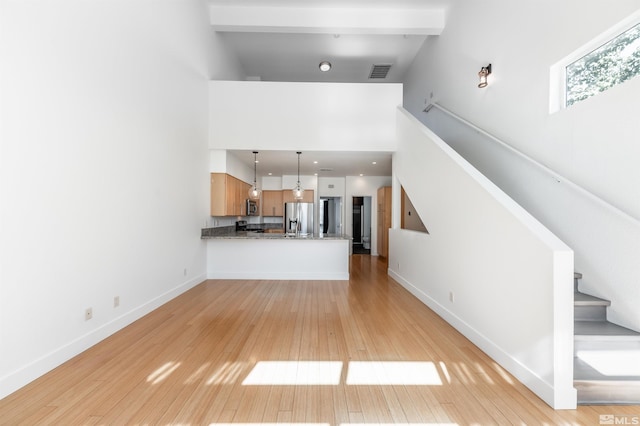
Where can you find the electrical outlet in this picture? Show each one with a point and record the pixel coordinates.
(451, 297)
(88, 314)
(116, 301)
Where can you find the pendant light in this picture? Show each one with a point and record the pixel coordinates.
(254, 192)
(298, 192)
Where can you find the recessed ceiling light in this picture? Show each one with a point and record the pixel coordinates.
(361, 174)
(315, 162)
(325, 66)
(270, 173)
(374, 162)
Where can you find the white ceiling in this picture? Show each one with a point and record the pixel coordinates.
(322, 163)
(285, 40)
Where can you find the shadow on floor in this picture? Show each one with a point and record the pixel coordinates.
(359, 249)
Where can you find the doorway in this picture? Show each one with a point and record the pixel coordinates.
(330, 217)
(361, 225)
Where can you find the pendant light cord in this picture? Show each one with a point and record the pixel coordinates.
(255, 168)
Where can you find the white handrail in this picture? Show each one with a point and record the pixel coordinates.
(558, 177)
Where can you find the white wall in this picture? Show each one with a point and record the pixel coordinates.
(223, 161)
(367, 216)
(272, 182)
(103, 169)
(303, 116)
(593, 143)
(487, 266)
(331, 186)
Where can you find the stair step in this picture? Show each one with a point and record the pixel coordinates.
(581, 299)
(589, 308)
(606, 366)
(607, 392)
(607, 378)
(603, 331)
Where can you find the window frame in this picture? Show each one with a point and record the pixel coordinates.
(558, 71)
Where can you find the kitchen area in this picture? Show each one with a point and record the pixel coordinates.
(316, 147)
(274, 236)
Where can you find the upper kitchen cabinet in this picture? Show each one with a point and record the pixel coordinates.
(272, 204)
(287, 196)
(228, 195)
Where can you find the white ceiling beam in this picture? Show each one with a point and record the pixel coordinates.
(313, 20)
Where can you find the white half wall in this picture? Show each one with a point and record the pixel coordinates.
(278, 259)
(303, 116)
(103, 169)
(487, 266)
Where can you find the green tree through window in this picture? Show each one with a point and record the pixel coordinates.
(612, 63)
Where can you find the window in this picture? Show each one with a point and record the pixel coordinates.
(606, 61)
(613, 63)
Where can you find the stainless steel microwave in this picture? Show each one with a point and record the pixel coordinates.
(252, 208)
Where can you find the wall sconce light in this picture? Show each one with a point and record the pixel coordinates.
(484, 72)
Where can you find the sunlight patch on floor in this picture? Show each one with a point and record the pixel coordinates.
(163, 372)
(445, 371)
(197, 375)
(327, 424)
(228, 373)
(613, 363)
(501, 371)
(393, 373)
(398, 424)
(295, 373)
(268, 424)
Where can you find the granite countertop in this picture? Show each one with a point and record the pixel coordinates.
(249, 235)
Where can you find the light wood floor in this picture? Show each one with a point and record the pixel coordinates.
(185, 364)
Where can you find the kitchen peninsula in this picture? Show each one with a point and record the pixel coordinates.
(253, 255)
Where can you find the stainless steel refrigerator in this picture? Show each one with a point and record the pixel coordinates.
(298, 218)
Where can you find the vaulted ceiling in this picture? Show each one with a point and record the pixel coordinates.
(285, 40)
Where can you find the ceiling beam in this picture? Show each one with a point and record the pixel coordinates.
(316, 20)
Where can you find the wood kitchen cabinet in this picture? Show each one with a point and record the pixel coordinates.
(287, 196)
(272, 204)
(273, 201)
(384, 220)
(228, 195)
(242, 194)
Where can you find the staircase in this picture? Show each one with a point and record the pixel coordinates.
(606, 356)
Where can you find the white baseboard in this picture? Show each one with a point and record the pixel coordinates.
(531, 380)
(28, 373)
(267, 275)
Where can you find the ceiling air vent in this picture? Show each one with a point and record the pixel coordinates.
(379, 71)
(326, 170)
